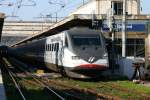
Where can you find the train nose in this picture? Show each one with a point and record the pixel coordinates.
(88, 70)
(92, 66)
(91, 59)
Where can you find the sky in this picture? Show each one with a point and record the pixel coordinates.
(39, 9)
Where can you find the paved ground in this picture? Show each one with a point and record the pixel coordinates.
(2, 90)
(146, 83)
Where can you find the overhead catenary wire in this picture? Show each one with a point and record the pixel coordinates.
(69, 5)
(18, 4)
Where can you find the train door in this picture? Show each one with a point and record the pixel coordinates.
(53, 53)
(47, 53)
(56, 53)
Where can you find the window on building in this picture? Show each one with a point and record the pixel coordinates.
(134, 47)
(118, 8)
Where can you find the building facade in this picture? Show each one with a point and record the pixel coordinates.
(14, 31)
(107, 6)
(135, 26)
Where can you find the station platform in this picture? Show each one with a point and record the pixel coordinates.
(2, 89)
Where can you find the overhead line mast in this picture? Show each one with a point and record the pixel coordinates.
(124, 29)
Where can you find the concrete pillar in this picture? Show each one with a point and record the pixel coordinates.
(97, 6)
(138, 7)
(2, 16)
(124, 29)
(147, 47)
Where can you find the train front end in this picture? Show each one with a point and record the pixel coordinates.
(86, 55)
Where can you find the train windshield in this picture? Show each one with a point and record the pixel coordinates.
(79, 40)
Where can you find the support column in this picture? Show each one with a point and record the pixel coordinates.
(138, 7)
(124, 29)
(1, 23)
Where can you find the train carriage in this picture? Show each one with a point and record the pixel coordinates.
(77, 52)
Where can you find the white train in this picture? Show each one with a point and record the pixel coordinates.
(77, 52)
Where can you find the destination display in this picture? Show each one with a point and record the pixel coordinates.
(132, 26)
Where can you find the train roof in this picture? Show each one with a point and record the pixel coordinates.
(83, 30)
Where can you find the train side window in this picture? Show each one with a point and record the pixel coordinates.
(66, 41)
(48, 48)
(45, 47)
(57, 47)
(52, 47)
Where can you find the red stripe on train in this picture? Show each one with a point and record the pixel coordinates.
(93, 66)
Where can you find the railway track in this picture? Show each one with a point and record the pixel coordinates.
(12, 76)
(92, 92)
(114, 87)
(70, 92)
(59, 95)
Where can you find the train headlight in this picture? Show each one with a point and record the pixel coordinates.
(105, 55)
(75, 57)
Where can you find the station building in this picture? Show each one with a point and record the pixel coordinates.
(136, 27)
(14, 31)
(109, 11)
(104, 6)
(136, 23)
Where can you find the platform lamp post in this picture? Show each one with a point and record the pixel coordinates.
(124, 29)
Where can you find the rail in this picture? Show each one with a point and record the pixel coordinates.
(6, 63)
(46, 85)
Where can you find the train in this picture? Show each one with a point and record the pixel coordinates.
(3, 50)
(78, 52)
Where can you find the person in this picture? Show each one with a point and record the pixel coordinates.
(136, 71)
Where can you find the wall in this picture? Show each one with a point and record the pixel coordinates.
(132, 7)
(15, 31)
(103, 6)
(21, 28)
(127, 68)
